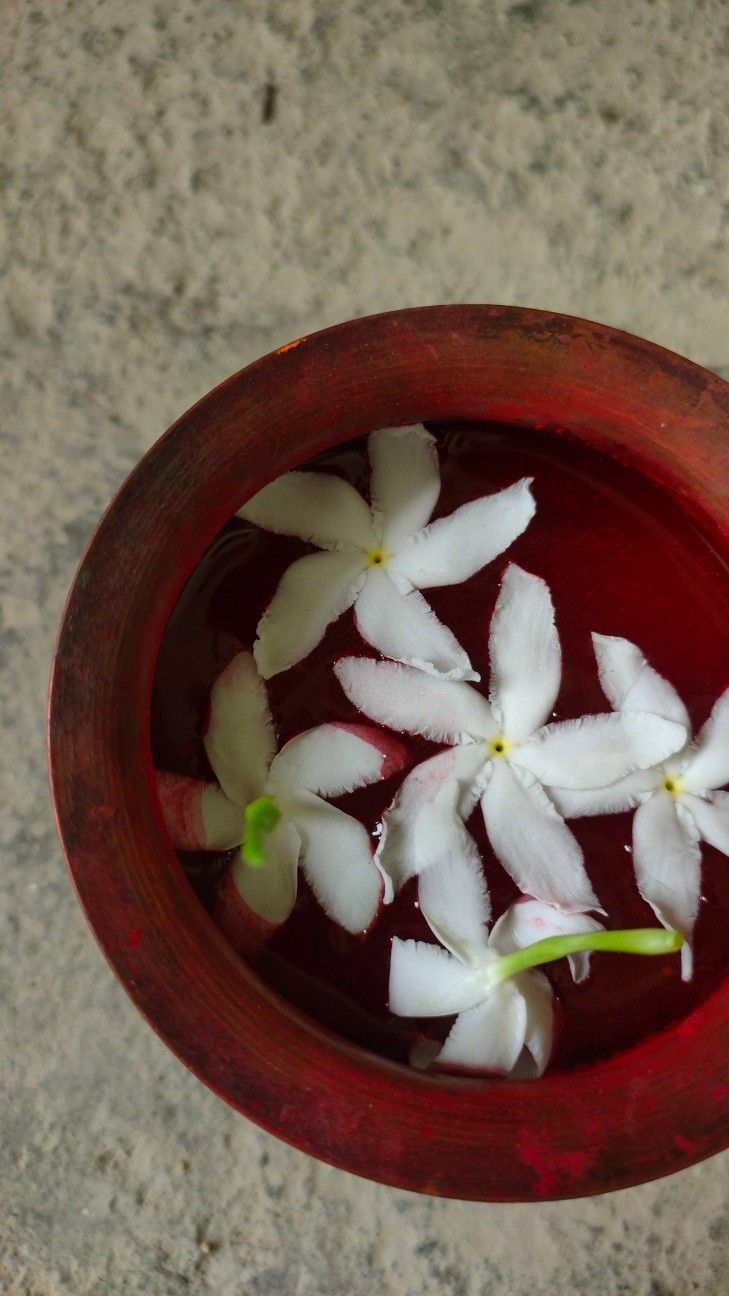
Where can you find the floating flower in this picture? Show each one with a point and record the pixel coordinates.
(379, 556)
(503, 754)
(505, 1021)
(677, 800)
(272, 805)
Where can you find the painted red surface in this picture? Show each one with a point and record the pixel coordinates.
(595, 1128)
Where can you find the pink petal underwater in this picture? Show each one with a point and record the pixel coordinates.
(533, 842)
(526, 661)
(240, 741)
(630, 683)
(243, 928)
(667, 860)
(317, 507)
(404, 626)
(336, 758)
(198, 816)
(530, 920)
(404, 480)
(312, 593)
(412, 702)
(336, 856)
(453, 548)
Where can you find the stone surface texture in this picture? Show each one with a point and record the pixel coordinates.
(184, 186)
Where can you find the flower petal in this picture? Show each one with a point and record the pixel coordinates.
(271, 891)
(336, 856)
(539, 1035)
(529, 921)
(630, 683)
(711, 817)
(489, 1037)
(452, 892)
(709, 768)
(420, 828)
(625, 794)
(426, 981)
(597, 750)
(313, 592)
(198, 816)
(411, 701)
(453, 548)
(667, 860)
(404, 480)
(405, 627)
(533, 843)
(335, 758)
(526, 661)
(240, 741)
(317, 507)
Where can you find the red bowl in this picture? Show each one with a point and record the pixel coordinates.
(646, 1112)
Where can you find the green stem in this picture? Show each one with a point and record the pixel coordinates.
(261, 817)
(636, 940)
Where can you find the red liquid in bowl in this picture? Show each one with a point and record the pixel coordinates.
(621, 557)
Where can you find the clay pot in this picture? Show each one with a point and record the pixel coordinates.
(645, 1112)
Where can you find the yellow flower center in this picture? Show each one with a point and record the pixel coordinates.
(499, 746)
(672, 785)
(377, 557)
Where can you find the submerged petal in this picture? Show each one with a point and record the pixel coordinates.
(533, 842)
(539, 1034)
(405, 627)
(426, 981)
(630, 683)
(271, 891)
(667, 860)
(404, 480)
(529, 921)
(625, 794)
(526, 662)
(413, 702)
(489, 1037)
(317, 507)
(709, 768)
(453, 548)
(422, 826)
(198, 816)
(313, 592)
(336, 758)
(336, 856)
(597, 750)
(711, 817)
(452, 892)
(240, 741)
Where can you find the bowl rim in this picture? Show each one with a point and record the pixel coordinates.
(648, 1111)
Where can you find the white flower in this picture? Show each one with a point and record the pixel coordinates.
(503, 754)
(502, 1026)
(677, 801)
(379, 557)
(332, 847)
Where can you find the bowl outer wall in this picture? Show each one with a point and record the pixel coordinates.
(646, 1112)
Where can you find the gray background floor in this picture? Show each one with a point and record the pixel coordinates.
(157, 234)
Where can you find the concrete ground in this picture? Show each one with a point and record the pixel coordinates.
(184, 186)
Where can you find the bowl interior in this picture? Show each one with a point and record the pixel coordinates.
(568, 1134)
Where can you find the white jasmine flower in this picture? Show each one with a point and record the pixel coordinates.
(272, 804)
(677, 800)
(503, 754)
(378, 556)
